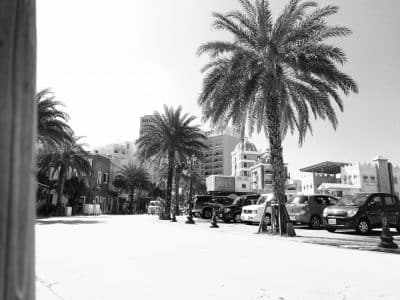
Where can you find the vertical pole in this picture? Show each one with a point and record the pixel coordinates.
(17, 148)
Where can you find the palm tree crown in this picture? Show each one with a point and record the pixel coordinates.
(132, 178)
(285, 66)
(171, 137)
(53, 129)
(66, 160)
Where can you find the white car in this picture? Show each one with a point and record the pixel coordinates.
(252, 213)
(154, 207)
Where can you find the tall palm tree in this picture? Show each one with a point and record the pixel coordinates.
(63, 162)
(53, 129)
(275, 74)
(132, 178)
(171, 137)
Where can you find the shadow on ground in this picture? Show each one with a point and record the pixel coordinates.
(67, 222)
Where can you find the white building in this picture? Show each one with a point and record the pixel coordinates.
(244, 157)
(119, 153)
(345, 178)
(378, 176)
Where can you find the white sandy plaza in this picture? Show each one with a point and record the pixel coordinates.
(140, 257)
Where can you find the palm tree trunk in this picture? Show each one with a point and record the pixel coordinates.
(169, 186)
(176, 190)
(61, 182)
(17, 149)
(278, 167)
(131, 205)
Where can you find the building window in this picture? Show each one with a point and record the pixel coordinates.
(98, 177)
(105, 178)
(395, 180)
(244, 165)
(365, 178)
(243, 185)
(372, 178)
(245, 156)
(245, 173)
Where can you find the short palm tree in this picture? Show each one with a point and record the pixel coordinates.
(171, 137)
(70, 159)
(275, 74)
(53, 129)
(132, 178)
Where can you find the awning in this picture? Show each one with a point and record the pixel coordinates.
(337, 186)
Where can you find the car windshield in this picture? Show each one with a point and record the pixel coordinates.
(298, 200)
(237, 201)
(353, 200)
(263, 199)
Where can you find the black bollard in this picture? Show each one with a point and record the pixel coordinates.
(214, 223)
(386, 236)
(173, 219)
(190, 218)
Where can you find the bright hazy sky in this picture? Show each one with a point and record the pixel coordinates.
(112, 61)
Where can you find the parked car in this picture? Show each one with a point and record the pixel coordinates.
(232, 212)
(154, 207)
(308, 209)
(203, 205)
(363, 212)
(252, 213)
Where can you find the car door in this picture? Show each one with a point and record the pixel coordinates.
(375, 208)
(392, 209)
(318, 205)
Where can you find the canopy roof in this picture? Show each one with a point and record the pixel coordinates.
(337, 186)
(326, 167)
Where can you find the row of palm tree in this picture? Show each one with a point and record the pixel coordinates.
(167, 143)
(275, 74)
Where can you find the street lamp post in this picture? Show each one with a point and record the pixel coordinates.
(191, 161)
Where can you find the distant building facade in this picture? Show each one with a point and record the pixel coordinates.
(346, 178)
(145, 121)
(244, 157)
(99, 190)
(217, 159)
(120, 153)
(261, 174)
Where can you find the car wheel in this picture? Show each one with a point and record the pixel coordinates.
(267, 219)
(363, 226)
(315, 222)
(236, 218)
(207, 214)
(398, 226)
(331, 229)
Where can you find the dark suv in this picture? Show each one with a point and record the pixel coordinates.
(203, 205)
(363, 212)
(232, 212)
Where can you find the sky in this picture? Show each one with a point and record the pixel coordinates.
(111, 62)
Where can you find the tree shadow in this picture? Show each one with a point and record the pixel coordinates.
(67, 222)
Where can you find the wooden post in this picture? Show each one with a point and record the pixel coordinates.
(17, 148)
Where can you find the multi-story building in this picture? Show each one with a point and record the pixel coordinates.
(99, 191)
(244, 158)
(144, 122)
(344, 178)
(261, 174)
(217, 158)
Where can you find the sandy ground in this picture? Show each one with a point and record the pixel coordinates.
(140, 257)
